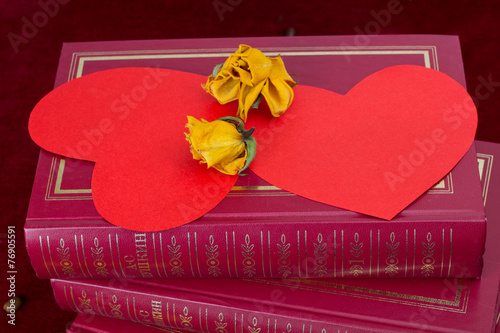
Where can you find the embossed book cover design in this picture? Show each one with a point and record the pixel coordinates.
(305, 305)
(259, 231)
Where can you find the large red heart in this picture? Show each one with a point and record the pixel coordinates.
(131, 122)
(374, 150)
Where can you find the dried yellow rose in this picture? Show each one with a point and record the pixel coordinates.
(246, 76)
(223, 144)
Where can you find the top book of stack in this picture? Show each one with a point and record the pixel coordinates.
(259, 230)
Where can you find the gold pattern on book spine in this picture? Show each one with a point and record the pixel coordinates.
(115, 308)
(428, 260)
(248, 261)
(392, 256)
(356, 251)
(283, 262)
(85, 304)
(254, 328)
(212, 255)
(186, 319)
(66, 263)
(98, 255)
(320, 261)
(175, 258)
(220, 325)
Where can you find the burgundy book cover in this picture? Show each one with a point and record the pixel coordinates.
(258, 230)
(308, 305)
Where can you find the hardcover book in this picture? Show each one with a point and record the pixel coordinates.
(259, 230)
(307, 305)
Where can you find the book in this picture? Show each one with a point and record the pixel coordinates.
(259, 230)
(309, 305)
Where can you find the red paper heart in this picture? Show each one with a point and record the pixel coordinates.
(131, 122)
(374, 150)
(345, 151)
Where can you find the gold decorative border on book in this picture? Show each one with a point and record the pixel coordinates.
(78, 60)
(458, 304)
(54, 184)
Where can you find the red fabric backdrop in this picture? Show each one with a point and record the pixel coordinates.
(29, 58)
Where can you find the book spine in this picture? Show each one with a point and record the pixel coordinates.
(176, 311)
(274, 250)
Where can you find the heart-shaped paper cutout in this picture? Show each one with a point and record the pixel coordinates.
(374, 150)
(131, 122)
(353, 151)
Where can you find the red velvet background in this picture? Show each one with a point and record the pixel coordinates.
(29, 61)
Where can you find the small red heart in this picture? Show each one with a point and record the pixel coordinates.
(374, 150)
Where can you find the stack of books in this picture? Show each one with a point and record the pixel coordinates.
(264, 259)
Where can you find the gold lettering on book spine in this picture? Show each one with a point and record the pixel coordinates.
(115, 308)
(220, 325)
(392, 256)
(186, 319)
(175, 258)
(248, 261)
(320, 252)
(98, 255)
(428, 260)
(283, 262)
(85, 304)
(212, 257)
(156, 312)
(356, 252)
(66, 263)
(141, 252)
(144, 315)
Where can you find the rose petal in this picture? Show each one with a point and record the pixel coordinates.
(234, 166)
(278, 95)
(248, 96)
(224, 88)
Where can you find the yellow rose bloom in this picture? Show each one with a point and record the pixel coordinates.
(248, 65)
(247, 75)
(222, 144)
